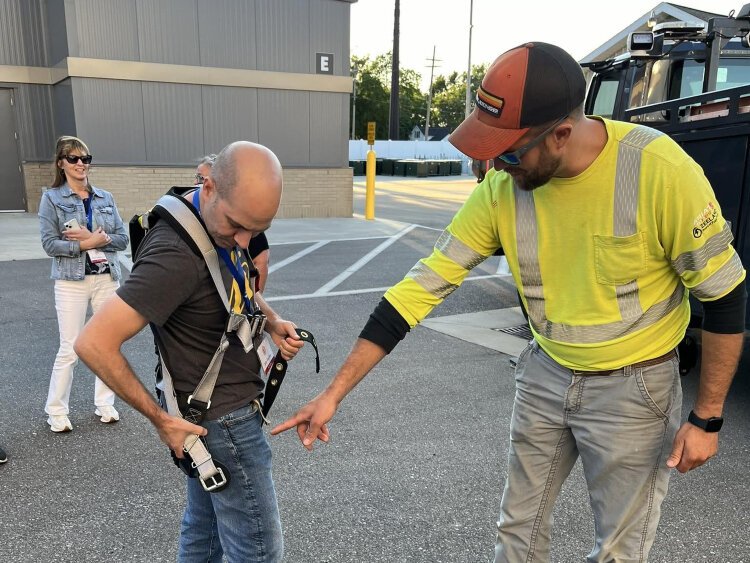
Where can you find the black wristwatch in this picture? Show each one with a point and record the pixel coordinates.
(712, 424)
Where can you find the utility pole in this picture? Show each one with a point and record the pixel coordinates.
(468, 71)
(393, 115)
(429, 96)
(354, 99)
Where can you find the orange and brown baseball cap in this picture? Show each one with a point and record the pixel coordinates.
(533, 84)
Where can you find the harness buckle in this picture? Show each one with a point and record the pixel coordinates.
(257, 323)
(214, 482)
(196, 410)
(199, 404)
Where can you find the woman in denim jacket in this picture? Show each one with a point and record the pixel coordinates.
(82, 232)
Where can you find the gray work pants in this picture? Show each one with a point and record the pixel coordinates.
(622, 425)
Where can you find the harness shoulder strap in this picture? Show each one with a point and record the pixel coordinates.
(180, 215)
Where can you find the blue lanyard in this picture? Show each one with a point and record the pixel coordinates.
(238, 273)
(89, 212)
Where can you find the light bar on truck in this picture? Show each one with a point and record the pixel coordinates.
(645, 44)
(640, 41)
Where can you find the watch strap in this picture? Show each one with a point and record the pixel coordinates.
(712, 424)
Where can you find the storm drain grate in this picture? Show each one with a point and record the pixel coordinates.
(519, 331)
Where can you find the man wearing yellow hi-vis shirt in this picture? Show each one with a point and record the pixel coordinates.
(606, 227)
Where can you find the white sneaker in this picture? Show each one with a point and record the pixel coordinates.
(59, 423)
(108, 414)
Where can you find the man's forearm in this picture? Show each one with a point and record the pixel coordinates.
(113, 369)
(265, 308)
(364, 356)
(719, 358)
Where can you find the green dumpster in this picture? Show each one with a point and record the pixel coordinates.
(456, 167)
(358, 167)
(444, 167)
(432, 167)
(416, 168)
(399, 168)
(388, 166)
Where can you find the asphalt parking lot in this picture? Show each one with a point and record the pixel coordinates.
(416, 465)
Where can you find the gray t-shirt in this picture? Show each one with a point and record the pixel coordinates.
(171, 286)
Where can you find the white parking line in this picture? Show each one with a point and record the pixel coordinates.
(295, 257)
(358, 291)
(308, 241)
(362, 261)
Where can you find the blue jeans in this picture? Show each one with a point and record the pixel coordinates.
(241, 521)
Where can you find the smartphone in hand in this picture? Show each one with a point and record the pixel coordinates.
(72, 224)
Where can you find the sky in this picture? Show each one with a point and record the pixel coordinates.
(578, 26)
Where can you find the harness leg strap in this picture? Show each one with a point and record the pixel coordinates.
(211, 476)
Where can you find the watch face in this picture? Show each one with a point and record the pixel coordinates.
(714, 424)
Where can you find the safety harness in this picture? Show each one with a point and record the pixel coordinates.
(198, 462)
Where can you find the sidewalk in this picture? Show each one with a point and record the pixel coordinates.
(19, 233)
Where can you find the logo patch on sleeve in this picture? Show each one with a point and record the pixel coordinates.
(705, 219)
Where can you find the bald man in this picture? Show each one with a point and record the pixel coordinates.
(171, 289)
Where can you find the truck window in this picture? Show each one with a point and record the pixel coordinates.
(687, 76)
(606, 94)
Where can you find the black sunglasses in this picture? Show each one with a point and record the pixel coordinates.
(73, 158)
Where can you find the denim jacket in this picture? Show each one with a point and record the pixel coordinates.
(59, 205)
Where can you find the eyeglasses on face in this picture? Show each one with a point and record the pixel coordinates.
(74, 158)
(513, 158)
(199, 178)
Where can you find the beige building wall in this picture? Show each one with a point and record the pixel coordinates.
(307, 192)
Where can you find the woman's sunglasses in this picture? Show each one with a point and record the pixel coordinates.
(73, 158)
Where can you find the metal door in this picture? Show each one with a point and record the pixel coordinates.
(12, 193)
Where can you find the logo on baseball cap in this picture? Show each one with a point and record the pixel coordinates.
(533, 84)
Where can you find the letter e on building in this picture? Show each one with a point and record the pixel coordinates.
(324, 63)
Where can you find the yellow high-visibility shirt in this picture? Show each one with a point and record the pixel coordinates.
(603, 260)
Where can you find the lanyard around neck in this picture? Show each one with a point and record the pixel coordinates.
(238, 273)
(89, 213)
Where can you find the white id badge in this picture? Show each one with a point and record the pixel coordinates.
(266, 354)
(96, 256)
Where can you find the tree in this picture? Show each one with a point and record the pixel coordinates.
(449, 96)
(373, 77)
(372, 96)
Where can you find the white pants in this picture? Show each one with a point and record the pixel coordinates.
(72, 301)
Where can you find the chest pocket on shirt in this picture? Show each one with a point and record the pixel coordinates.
(105, 218)
(65, 213)
(68, 211)
(619, 260)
